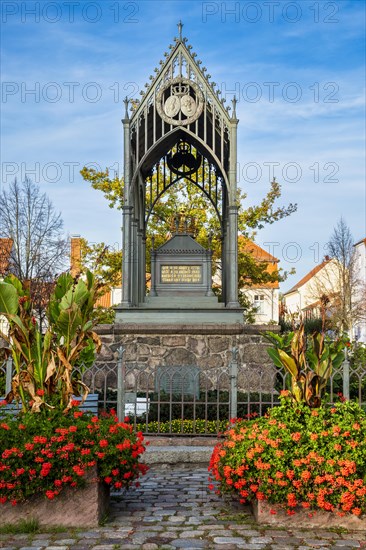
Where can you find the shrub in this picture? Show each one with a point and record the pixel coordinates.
(309, 360)
(43, 362)
(297, 456)
(185, 426)
(41, 454)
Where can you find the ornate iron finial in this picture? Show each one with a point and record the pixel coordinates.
(234, 102)
(126, 102)
(180, 27)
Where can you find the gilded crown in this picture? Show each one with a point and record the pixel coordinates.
(181, 89)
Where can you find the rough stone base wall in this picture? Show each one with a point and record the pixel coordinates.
(80, 507)
(205, 346)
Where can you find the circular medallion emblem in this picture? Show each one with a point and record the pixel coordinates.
(188, 105)
(172, 106)
(179, 101)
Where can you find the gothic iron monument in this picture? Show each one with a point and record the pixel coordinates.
(180, 130)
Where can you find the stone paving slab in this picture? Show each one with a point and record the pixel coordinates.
(173, 509)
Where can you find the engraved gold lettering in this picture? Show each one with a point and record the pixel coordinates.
(181, 274)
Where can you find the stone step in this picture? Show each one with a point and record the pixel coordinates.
(183, 302)
(166, 451)
(169, 455)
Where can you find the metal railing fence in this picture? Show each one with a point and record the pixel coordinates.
(186, 399)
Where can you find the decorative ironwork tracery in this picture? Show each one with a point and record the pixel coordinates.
(184, 162)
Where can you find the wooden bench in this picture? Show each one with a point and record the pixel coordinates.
(90, 405)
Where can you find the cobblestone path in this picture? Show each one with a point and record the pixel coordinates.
(173, 509)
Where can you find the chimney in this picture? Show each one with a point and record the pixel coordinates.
(5, 250)
(75, 255)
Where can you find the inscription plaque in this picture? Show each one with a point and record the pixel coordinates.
(181, 274)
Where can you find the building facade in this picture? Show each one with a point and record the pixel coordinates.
(359, 296)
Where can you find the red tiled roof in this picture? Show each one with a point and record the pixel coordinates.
(361, 241)
(255, 250)
(261, 256)
(308, 276)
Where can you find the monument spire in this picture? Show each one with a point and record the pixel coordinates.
(180, 27)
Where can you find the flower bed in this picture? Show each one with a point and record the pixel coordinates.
(184, 427)
(42, 454)
(76, 506)
(295, 457)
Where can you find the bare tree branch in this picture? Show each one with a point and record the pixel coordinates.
(29, 218)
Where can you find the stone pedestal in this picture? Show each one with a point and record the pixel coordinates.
(205, 345)
(159, 311)
(273, 514)
(74, 507)
(181, 289)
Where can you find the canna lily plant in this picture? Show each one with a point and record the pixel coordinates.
(44, 362)
(309, 361)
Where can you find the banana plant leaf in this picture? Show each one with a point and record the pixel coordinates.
(9, 299)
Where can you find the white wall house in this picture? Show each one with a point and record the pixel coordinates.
(303, 298)
(359, 328)
(265, 297)
(266, 302)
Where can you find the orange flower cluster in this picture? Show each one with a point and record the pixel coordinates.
(312, 459)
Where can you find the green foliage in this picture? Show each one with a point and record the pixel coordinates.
(357, 355)
(43, 454)
(104, 315)
(186, 196)
(356, 352)
(112, 188)
(184, 427)
(308, 360)
(104, 262)
(297, 457)
(44, 362)
(24, 526)
(310, 325)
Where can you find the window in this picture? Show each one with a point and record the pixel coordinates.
(259, 303)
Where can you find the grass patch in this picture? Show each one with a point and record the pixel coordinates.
(32, 527)
(24, 526)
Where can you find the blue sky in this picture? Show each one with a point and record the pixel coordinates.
(297, 67)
